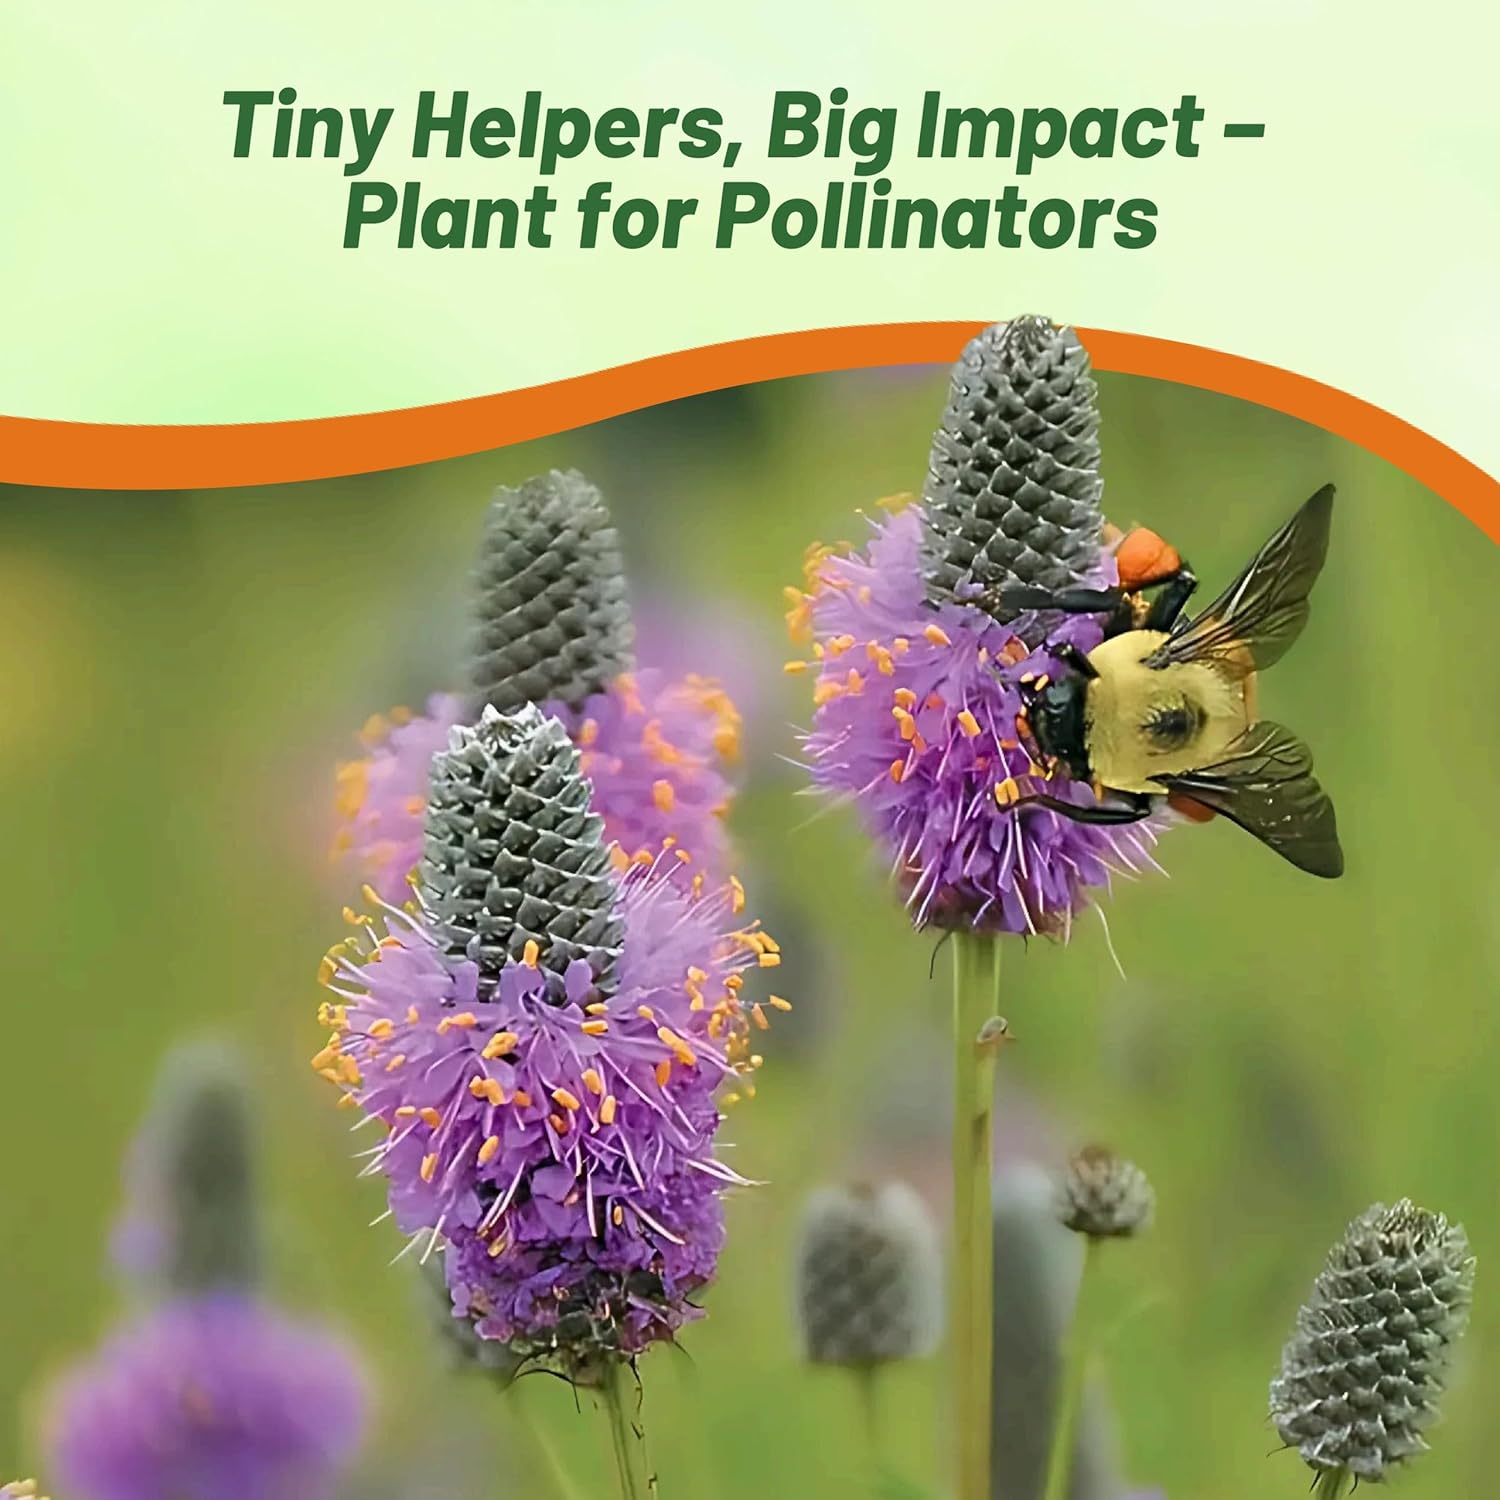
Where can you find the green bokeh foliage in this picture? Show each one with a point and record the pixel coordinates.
(180, 671)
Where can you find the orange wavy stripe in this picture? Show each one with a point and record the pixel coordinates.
(78, 455)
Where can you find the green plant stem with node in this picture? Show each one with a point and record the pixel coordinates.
(977, 1033)
(1072, 1377)
(627, 1437)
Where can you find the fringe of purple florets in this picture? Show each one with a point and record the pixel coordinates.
(559, 1140)
(655, 748)
(381, 800)
(916, 719)
(210, 1397)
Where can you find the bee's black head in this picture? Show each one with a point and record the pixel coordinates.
(1055, 713)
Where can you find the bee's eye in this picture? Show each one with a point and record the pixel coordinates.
(1173, 725)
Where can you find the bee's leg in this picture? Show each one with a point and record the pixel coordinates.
(1166, 609)
(1011, 599)
(1138, 806)
(1070, 656)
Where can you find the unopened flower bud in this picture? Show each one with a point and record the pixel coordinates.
(1104, 1196)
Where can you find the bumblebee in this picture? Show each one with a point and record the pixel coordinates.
(1165, 706)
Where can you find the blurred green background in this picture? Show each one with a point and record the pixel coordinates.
(180, 672)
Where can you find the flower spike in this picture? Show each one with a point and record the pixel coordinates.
(1013, 486)
(1365, 1368)
(868, 1276)
(516, 868)
(553, 620)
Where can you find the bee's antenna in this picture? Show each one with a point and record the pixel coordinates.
(936, 949)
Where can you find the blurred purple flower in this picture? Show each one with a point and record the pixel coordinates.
(915, 720)
(718, 637)
(139, 1241)
(656, 749)
(380, 798)
(218, 1398)
(560, 1138)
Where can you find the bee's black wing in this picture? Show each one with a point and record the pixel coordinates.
(1251, 624)
(1266, 785)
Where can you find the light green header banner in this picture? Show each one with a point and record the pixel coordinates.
(153, 276)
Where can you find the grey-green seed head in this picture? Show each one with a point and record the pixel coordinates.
(1104, 1196)
(513, 852)
(1013, 484)
(1365, 1367)
(869, 1283)
(200, 1159)
(549, 594)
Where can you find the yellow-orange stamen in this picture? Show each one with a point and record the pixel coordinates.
(499, 1044)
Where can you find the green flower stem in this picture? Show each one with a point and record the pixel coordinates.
(627, 1437)
(976, 983)
(1332, 1483)
(549, 1464)
(867, 1381)
(1071, 1379)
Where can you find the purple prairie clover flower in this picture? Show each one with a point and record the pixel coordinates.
(214, 1398)
(550, 1084)
(915, 720)
(656, 750)
(552, 628)
(686, 633)
(919, 690)
(561, 1140)
(190, 1222)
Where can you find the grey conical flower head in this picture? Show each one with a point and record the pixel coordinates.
(1104, 1196)
(201, 1155)
(869, 1287)
(1362, 1373)
(1013, 484)
(512, 851)
(549, 592)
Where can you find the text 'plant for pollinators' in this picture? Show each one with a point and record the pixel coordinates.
(552, 627)
(545, 1040)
